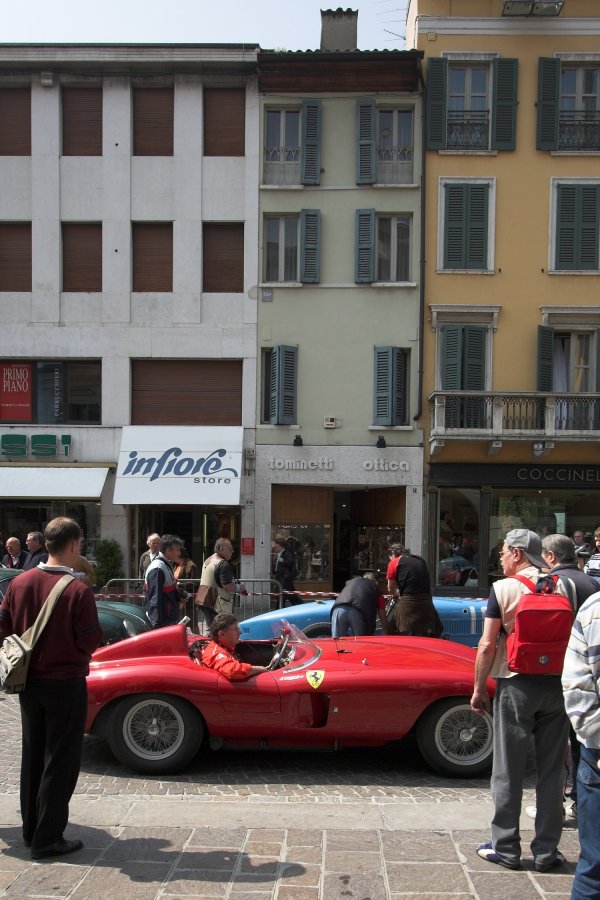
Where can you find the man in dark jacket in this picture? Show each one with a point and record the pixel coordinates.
(37, 551)
(162, 599)
(54, 703)
(558, 552)
(15, 557)
(357, 606)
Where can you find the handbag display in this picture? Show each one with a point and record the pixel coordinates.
(206, 596)
(15, 653)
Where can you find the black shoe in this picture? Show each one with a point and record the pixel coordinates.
(26, 842)
(58, 848)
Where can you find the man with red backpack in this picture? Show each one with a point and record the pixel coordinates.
(526, 630)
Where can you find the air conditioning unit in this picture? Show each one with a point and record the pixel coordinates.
(329, 422)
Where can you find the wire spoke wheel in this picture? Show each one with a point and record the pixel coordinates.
(454, 740)
(153, 729)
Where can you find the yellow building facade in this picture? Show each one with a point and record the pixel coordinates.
(511, 400)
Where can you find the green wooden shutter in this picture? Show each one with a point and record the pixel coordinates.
(545, 353)
(365, 246)
(283, 376)
(455, 225)
(382, 387)
(504, 104)
(589, 226)
(310, 237)
(452, 371)
(476, 255)
(548, 104)
(311, 142)
(366, 115)
(437, 75)
(473, 376)
(597, 399)
(400, 397)
(567, 230)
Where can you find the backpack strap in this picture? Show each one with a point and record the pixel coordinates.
(571, 588)
(526, 581)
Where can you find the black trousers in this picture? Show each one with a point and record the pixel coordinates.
(52, 721)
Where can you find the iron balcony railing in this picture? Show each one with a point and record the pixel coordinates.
(491, 414)
(579, 130)
(394, 165)
(282, 165)
(468, 130)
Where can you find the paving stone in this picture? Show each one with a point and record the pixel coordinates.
(153, 844)
(303, 837)
(258, 848)
(217, 837)
(140, 880)
(46, 880)
(259, 865)
(358, 887)
(353, 861)
(288, 892)
(193, 883)
(507, 885)
(352, 840)
(418, 878)
(417, 847)
(223, 860)
(304, 855)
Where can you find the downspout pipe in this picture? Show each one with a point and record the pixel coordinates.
(419, 411)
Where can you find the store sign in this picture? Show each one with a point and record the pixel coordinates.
(325, 463)
(179, 465)
(36, 445)
(15, 392)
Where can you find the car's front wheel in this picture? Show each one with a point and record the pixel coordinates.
(154, 733)
(454, 740)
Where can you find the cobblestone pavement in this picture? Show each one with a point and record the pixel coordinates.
(297, 826)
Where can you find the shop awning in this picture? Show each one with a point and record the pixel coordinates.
(52, 482)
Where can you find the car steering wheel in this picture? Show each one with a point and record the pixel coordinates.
(279, 651)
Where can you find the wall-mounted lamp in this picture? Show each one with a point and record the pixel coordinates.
(381, 442)
(298, 442)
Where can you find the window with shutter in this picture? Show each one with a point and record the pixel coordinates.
(463, 368)
(224, 121)
(579, 108)
(393, 248)
(577, 226)
(282, 147)
(310, 237)
(466, 225)
(15, 256)
(152, 247)
(223, 257)
(153, 111)
(82, 121)
(186, 392)
(280, 368)
(81, 257)
(390, 403)
(15, 121)
(365, 141)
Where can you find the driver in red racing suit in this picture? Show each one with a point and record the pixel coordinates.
(221, 654)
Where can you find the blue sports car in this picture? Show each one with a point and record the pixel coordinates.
(462, 619)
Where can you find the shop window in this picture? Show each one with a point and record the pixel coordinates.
(15, 256)
(292, 247)
(458, 553)
(51, 392)
(224, 121)
(15, 121)
(280, 376)
(81, 257)
(153, 116)
(384, 144)
(292, 153)
(223, 257)
(390, 390)
(152, 249)
(568, 106)
(310, 544)
(372, 547)
(472, 104)
(82, 121)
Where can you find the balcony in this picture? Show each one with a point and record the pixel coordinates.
(282, 165)
(579, 130)
(496, 417)
(468, 130)
(394, 165)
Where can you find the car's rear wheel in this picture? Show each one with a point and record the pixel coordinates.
(318, 630)
(454, 740)
(154, 733)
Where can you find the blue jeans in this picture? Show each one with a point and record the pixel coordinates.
(347, 620)
(586, 884)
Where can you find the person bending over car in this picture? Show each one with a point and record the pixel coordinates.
(221, 653)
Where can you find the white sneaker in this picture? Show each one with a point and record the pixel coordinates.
(531, 811)
(571, 811)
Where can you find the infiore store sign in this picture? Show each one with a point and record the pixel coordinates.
(188, 465)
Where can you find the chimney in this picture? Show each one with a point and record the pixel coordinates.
(339, 29)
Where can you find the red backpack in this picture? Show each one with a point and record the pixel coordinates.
(543, 622)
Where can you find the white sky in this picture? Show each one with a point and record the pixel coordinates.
(274, 24)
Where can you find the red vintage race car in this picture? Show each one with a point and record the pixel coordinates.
(157, 705)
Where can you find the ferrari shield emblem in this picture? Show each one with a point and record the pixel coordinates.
(315, 677)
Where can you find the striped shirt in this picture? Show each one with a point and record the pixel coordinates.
(581, 673)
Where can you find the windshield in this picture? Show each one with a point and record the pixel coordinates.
(299, 651)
